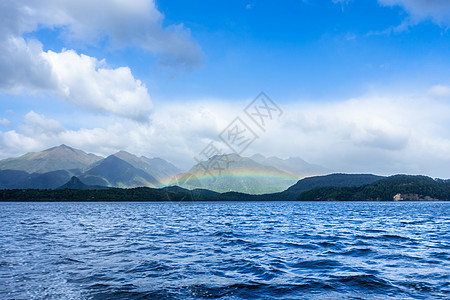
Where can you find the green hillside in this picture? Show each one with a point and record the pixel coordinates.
(331, 180)
(406, 187)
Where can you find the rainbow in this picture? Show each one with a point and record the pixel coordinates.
(201, 176)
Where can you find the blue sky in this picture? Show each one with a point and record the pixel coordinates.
(365, 85)
(297, 48)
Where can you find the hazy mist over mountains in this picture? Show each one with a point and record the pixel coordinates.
(54, 167)
(254, 175)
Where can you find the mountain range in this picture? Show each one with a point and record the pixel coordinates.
(54, 167)
(66, 174)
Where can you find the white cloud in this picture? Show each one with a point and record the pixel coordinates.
(34, 133)
(439, 91)
(136, 23)
(437, 11)
(78, 79)
(37, 125)
(83, 81)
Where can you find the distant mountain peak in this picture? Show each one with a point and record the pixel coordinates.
(229, 156)
(74, 180)
(158, 168)
(115, 171)
(257, 156)
(293, 165)
(114, 159)
(159, 159)
(61, 157)
(62, 147)
(123, 152)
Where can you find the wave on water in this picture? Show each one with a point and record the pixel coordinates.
(262, 250)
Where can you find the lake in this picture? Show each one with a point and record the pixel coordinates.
(227, 250)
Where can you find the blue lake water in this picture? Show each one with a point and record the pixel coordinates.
(262, 250)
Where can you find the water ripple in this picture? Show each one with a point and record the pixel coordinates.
(261, 250)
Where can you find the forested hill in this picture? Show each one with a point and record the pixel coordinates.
(397, 187)
(335, 180)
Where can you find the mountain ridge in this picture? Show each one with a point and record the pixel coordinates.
(57, 158)
(122, 169)
(157, 167)
(54, 166)
(252, 175)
